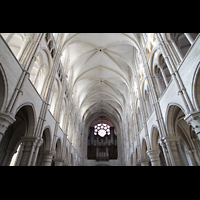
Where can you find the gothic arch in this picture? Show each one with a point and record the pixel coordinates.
(146, 97)
(112, 117)
(55, 94)
(153, 58)
(58, 148)
(45, 146)
(144, 149)
(161, 73)
(196, 87)
(156, 147)
(154, 138)
(30, 116)
(46, 56)
(18, 42)
(169, 117)
(66, 159)
(3, 89)
(46, 134)
(179, 128)
(22, 128)
(63, 114)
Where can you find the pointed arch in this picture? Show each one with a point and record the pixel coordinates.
(30, 111)
(47, 140)
(3, 89)
(154, 138)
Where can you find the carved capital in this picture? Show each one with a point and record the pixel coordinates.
(193, 119)
(6, 119)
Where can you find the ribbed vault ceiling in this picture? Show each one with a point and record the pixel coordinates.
(100, 68)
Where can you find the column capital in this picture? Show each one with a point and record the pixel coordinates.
(153, 153)
(50, 153)
(193, 119)
(192, 116)
(33, 139)
(47, 157)
(6, 119)
(154, 157)
(168, 139)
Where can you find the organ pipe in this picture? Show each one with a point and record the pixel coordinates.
(112, 135)
(92, 135)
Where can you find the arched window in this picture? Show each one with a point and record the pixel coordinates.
(51, 44)
(182, 41)
(39, 73)
(64, 57)
(165, 71)
(150, 42)
(147, 101)
(140, 121)
(41, 76)
(159, 80)
(62, 114)
(54, 96)
(35, 69)
(15, 41)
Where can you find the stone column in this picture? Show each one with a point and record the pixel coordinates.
(9, 37)
(177, 50)
(159, 85)
(8, 157)
(191, 158)
(112, 135)
(164, 77)
(193, 119)
(26, 153)
(154, 157)
(171, 143)
(29, 148)
(189, 37)
(6, 119)
(47, 157)
(182, 153)
(162, 144)
(40, 142)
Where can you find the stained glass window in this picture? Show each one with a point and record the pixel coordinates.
(102, 133)
(102, 129)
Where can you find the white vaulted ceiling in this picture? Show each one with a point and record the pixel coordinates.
(100, 69)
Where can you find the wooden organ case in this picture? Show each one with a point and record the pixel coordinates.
(102, 148)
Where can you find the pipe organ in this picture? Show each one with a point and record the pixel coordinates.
(102, 147)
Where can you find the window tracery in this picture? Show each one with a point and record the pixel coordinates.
(102, 129)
